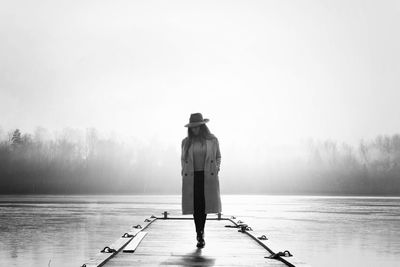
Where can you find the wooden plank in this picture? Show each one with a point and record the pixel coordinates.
(98, 260)
(135, 242)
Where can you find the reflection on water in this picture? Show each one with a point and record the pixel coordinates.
(324, 231)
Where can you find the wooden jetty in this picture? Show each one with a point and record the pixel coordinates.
(172, 241)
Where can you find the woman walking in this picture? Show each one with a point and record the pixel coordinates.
(201, 160)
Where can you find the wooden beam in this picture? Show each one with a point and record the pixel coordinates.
(135, 242)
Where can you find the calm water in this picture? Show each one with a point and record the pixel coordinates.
(324, 231)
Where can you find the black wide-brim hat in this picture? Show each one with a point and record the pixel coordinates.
(196, 119)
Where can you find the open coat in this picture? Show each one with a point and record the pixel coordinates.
(211, 178)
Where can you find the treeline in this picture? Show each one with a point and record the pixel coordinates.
(83, 162)
(371, 168)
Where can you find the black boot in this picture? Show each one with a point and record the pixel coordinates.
(200, 239)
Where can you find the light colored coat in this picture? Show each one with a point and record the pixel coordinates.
(211, 178)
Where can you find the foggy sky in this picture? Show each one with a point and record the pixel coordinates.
(271, 71)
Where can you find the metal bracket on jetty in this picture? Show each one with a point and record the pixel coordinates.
(168, 240)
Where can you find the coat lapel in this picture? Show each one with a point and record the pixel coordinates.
(208, 145)
(191, 153)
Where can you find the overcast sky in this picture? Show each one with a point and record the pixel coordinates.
(275, 71)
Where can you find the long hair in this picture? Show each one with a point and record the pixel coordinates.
(204, 134)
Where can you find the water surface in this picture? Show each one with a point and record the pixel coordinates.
(50, 230)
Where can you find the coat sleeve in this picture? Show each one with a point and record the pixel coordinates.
(218, 157)
(182, 159)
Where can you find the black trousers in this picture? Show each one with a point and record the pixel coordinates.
(199, 203)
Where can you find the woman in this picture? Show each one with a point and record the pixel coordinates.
(201, 160)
